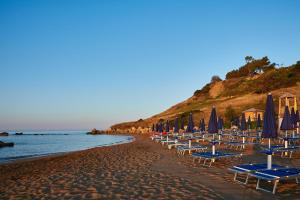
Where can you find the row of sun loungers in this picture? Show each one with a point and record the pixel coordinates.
(242, 173)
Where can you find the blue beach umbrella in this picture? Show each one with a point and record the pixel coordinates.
(269, 128)
(213, 126)
(243, 123)
(258, 122)
(220, 123)
(161, 128)
(156, 127)
(203, 125)
(167, 126)
(153, 127)
(286, 123)
(190, 127)
(297, 116)
(182, 123)
(293, 117)
(213, 122)
(176, 126)
(249, 123)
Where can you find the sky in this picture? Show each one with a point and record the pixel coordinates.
(77, 64)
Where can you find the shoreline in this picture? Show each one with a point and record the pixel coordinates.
(141, 169)
(37, 157)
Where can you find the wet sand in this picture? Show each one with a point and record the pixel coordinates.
(142, 169)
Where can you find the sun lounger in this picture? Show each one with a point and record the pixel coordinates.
(275, 175)
(177, 144)
(163, 142)
(246, 169)
(288, 151)
(210, 158)
(182, 149)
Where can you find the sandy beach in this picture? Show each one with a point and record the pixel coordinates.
(142, 169)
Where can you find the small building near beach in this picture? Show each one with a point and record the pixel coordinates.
(253, 113)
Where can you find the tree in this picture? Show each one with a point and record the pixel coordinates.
(249, 59)
(215, 79)
(230, 114)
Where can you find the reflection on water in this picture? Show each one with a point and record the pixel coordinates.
(33, 144)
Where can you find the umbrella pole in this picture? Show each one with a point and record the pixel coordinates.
(269, 156)
(190, 145)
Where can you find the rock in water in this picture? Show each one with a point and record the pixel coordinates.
(6, 144)
(4, 134)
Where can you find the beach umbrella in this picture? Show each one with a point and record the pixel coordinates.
(167, 126)
(153, 127)
(156, 127)
(286, 124)
(258, 122)
(176, 126)
(297, 116)
(182, 123)
(203, 125)
(243, 123)
(269, 128)
(161, 128)
(213, 127)
(190, 127)
(294, 118)
(220, 123)
(249, 123)
(237, 122)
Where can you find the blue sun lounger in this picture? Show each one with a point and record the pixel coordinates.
(208, 156)
(246, 169)
(275, 175)
(182, 149)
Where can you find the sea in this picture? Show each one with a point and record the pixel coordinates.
(42, 143)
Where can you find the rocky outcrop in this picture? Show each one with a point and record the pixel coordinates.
(4, 134)
(20, 133)
(6, 144)
(95, 132)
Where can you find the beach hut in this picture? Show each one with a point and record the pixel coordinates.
(253, 113)
(269, 128)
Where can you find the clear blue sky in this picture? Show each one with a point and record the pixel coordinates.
(83, 64)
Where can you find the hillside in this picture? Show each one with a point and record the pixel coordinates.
(243, 88)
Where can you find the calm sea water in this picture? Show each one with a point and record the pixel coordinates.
(34, 144)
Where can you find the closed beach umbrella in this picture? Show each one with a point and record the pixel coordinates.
(258, 122)
(190, 128)
(293, 117)
(153, 127)
(220, 123)
(297, 116)
(167, 126)
(249, 123)
(213, 122)
(269, 128)
(237, 122)
(161, 128)
(243, 123)
(286, 123)
(203, 125)
(182, 123)
(156, 127)
(213, 126)
(176, 126)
